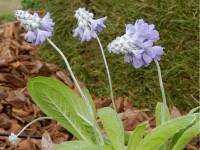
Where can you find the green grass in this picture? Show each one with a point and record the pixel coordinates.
(177, 22)
(6, 18)
(7, 8)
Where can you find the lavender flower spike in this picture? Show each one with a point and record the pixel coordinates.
(39, 29)
(137, 44)
(87, 26)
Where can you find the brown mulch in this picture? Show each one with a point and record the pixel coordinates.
(19, 61)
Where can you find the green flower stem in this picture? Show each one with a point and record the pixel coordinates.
(162, 91)
(71, 73)
(108, 74)
(30, 123)
(78, 87)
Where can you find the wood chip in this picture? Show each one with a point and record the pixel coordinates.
(13, 80)
(65, 78)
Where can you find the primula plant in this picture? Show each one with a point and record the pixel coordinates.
(137, 46)
(78, 114)
(87, 29)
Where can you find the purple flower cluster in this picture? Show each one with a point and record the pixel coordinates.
(137, 44)
(39, 29)
(87, 26)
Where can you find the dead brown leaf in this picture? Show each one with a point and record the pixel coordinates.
(65, 78)
(26, 144)
(16, 81)
(44, 71)
(4, 123)
(1, 107)
(174, 113)
(119, 104)
(6, 55)
(20, 112)
(15, 127)
(47, 143)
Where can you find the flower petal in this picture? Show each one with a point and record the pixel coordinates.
(78, 31)
(138, 53)
(137, 63)
(155, 52)
(41, 37)
(128, 58)
(147, 59)
(47, 23)
(36, 15)
(30, 36)
(98, 24)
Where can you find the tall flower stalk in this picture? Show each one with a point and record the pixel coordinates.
(39, 30)
(137, 46)
(162, 91)
(108, 74)
(87, 29)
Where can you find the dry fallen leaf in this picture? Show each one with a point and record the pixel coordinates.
(15, 127)
(98, 102)
(25, 144)
(20, 112)
(65, 78)
(1, 107)
(119, 104)
(106, 102)
(16, 81)
(47, 143)
(4, 123)
(6, 55)
(174, 113)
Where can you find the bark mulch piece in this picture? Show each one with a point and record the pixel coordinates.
(19, 62)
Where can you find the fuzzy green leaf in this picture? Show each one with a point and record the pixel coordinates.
(81, 145)
(158, 113)
(187, 136)
(194, 110)
(89, 97)
(113, 126)
(179, 135)
(54, 98)
(136, 136)
(162, 133)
